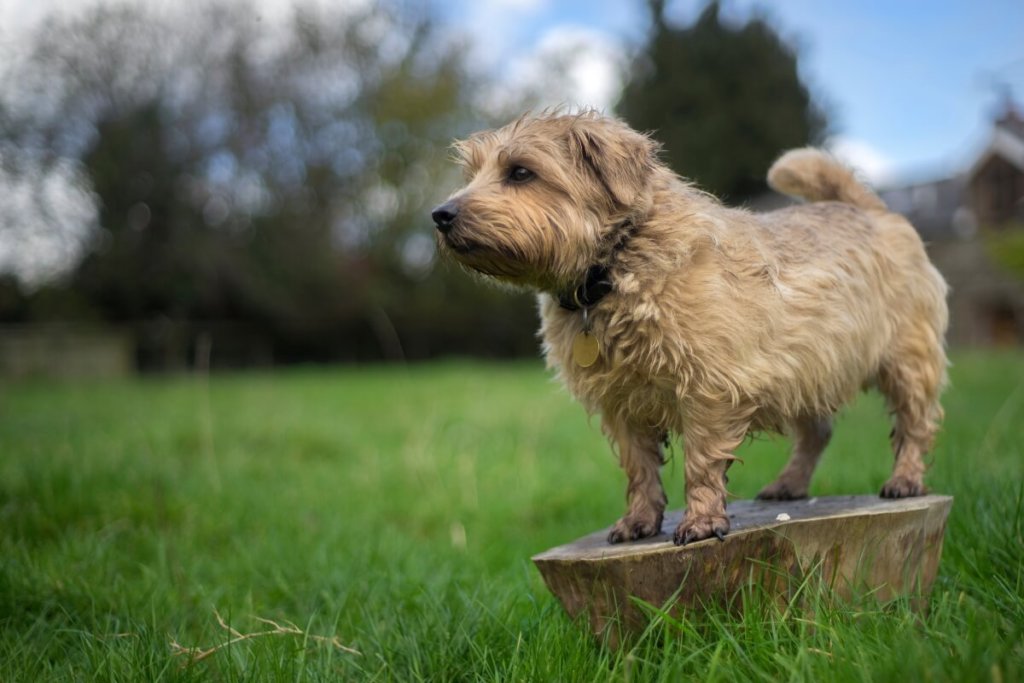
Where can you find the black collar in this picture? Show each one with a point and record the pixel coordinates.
(595, 286)
(597, 283)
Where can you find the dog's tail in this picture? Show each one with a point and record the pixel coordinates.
(817, 176)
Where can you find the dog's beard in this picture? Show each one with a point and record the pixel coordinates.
(491, 264)
(497, 262)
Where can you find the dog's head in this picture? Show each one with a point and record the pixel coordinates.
(542, 194)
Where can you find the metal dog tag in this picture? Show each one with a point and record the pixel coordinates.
(585, 349)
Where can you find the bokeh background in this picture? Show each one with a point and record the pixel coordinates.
(237, 383)
(234, 184)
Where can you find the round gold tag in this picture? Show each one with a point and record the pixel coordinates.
(585, 349)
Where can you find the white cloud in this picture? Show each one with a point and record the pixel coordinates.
(569, 65)
(517, 5)
(594, 63)
(46, 214)
(495, 28)
(876, 167)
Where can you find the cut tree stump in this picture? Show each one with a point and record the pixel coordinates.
(855, 544)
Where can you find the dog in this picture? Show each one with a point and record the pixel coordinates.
(669, 314)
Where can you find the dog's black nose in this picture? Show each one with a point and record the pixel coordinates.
(444, 216)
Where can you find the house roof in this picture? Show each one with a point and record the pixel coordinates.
(931, 207)
(1007, 143)
(1012, 121)
(939, 209)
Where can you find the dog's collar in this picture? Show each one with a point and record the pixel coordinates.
(595, 286)
(597, 282)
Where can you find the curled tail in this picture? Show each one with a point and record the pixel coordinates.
(817, 176)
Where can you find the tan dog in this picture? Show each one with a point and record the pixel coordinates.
(668, 313)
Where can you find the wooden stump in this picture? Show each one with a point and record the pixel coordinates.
(853, 543)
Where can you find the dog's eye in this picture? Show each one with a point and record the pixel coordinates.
(520, 174)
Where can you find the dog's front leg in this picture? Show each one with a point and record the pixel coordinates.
(640, 455)
(708, 456)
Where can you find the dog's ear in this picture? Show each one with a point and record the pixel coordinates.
(621, 158)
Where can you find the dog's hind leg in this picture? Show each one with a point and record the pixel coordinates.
(641, 456)
(810, 437)
(911, 381)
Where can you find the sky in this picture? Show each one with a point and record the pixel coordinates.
(910, 84)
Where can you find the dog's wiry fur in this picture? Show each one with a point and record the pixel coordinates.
(720, 321)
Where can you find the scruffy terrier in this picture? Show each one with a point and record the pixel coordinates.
(668, 313)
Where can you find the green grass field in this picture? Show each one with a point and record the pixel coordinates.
(395, 509)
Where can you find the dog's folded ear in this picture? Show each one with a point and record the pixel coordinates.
(621, 158)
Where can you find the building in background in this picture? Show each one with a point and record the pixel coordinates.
(973, 226)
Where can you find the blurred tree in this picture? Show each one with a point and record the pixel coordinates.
(276, 173)
(724, 101)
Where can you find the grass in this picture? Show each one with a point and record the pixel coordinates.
(394, 510)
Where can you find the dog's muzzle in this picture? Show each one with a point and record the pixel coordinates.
(444, 216)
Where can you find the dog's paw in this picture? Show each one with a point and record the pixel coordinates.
(698, 527)
(902, 487)
(780, 490)
(635, 527)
